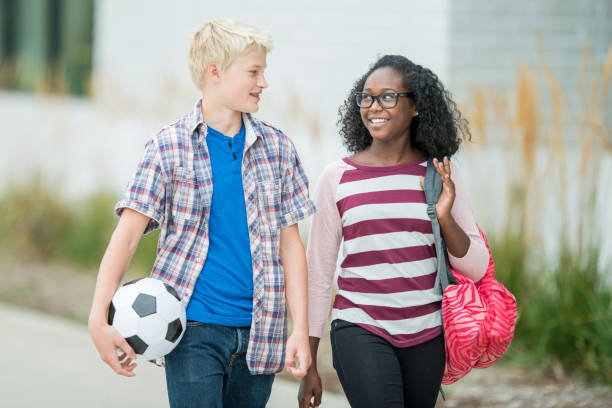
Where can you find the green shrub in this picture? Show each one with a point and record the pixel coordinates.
(32, 220)
(565, 312)
(39, 226)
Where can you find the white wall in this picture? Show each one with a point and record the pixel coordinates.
(141, 81)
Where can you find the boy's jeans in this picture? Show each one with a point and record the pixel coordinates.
(208, 369)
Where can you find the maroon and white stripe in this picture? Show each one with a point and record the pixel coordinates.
(388, 269)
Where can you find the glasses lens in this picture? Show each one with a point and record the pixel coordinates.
(364, 100)
(388, 99)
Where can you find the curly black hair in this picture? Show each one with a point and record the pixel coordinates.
(438, 129)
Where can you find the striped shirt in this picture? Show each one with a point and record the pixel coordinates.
(172, 186)
(377, 217)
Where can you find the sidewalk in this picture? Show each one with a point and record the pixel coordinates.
(51, 362)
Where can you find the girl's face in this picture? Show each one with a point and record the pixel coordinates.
(392, 123)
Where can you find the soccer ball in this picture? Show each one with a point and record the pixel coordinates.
(149, 315)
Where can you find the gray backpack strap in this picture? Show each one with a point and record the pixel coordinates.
(433, 188)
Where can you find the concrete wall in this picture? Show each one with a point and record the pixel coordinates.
(491, 39)
(141, 80)
(490, 42)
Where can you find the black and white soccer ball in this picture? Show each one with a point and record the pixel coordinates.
(149, 315)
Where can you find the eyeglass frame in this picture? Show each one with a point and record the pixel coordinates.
(377, 98)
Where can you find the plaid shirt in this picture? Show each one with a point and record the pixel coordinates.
(173, 187)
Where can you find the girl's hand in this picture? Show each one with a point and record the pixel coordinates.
(311, 390)
(447, 195)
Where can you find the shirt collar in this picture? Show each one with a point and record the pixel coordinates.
(195, 118)
(251, 127)
(250, 130)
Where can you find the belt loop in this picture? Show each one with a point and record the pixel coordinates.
(242, 339)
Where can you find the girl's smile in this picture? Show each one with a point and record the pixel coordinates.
(387, 123)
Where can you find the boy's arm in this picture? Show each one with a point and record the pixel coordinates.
(293, 258)
(117, 257)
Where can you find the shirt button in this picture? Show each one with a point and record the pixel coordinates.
(234, 156)
(229, 144)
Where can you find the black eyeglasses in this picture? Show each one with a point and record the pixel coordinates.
(386, 100)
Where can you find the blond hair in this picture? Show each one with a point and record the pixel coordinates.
(221, 41)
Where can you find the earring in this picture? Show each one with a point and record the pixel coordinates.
(416, 114)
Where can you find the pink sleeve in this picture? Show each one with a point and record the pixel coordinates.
(323, 245)
(475, 262)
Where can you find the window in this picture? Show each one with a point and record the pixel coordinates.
(46, 45)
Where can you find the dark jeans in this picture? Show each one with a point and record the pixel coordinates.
(374, 373)
(208, 369)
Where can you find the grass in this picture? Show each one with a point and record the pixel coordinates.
(565, 312)
(38, 225)
(564, 301)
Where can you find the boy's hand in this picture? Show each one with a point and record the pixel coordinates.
(109, 342)
(310, 387)
(298, 348)
(115, 262)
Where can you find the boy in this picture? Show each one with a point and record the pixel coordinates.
(227, 191)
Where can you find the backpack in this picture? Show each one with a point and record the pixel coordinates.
(478, 319)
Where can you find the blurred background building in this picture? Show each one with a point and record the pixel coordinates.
(85, 83)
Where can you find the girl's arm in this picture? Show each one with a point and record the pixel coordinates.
(115, 262)
(323, 245)
(322, 255)
(466, 248)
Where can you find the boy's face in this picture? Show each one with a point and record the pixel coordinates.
(241, 84)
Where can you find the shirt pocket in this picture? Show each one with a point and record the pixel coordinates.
(269, 203)
(185, 205)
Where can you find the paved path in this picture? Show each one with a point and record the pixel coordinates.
(51, 362)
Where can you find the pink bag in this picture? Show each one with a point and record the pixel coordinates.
(478, 318)
(478, 321)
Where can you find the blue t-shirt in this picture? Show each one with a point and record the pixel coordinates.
(224, 291)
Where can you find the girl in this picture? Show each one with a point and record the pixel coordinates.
(387, 341)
